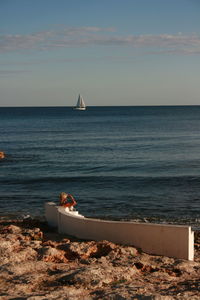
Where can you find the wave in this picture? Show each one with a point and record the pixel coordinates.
(127, 180)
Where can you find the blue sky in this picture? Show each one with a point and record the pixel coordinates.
(113, 52)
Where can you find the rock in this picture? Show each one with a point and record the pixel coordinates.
(50, 254)
(33, 267)
(11, 229)
(86, 250)
(2, 154)
(82, 250)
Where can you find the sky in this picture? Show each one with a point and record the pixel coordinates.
(112, 52)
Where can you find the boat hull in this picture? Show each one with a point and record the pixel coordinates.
(79, 108)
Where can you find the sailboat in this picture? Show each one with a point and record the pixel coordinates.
(80, 104)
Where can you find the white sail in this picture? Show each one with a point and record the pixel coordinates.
(80, 103)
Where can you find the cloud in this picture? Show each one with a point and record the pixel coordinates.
(176, 51)
(5, 73)
(44, 40)
(96, 36)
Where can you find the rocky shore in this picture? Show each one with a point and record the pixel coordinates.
(37, 263)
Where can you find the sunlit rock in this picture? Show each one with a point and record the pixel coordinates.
(2, 154)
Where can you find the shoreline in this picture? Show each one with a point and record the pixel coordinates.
(152, 220)
(38, 263)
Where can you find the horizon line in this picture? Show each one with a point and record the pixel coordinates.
(88, 106)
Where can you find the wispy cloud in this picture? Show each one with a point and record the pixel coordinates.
(5, 73)
(67, 37)
(96, 36)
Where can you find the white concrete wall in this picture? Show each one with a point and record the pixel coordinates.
(51, 214)
(169, 240)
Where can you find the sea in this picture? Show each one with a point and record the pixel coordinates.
(138, 163)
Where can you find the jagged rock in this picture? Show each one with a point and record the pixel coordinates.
(11, 229)
(94, 276)
(2, 154)
(80, 250)
(50, 254)
(85, 250)
(33, 267)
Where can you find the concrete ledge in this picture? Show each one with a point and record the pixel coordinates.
(51, 214)
(169, 240)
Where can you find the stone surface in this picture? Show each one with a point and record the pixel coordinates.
(37, 263)
(2, 154)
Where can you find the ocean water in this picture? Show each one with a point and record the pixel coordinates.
(128, 163)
